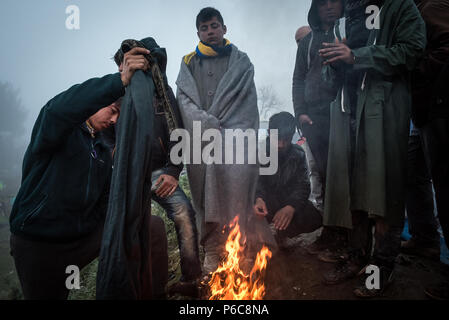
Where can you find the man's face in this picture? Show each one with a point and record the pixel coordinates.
(329, 11)
(282, 145)
(212, 32)
(105, 117)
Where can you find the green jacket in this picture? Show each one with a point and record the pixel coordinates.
(374, 179)
(66, 172)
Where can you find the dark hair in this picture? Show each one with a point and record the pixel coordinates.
(118, 57)
(207, 14)
(285, 123)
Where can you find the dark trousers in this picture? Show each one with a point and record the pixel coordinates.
(317, 136)
(307, 220)
(41, 266)
(435, 136)
(387, 238)
(423, 225)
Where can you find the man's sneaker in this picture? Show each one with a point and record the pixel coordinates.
(418, 248)
(438, 292)
(386, 277)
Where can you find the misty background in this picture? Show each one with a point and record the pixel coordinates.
(40, 57)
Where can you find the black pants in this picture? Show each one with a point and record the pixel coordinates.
(41, 266)
(317, 136)
(307, 220)
(387, 238)
(419, 197)
(436, 145)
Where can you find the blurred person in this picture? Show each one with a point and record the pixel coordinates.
(311, 100)
(374, 187)
(282, 198)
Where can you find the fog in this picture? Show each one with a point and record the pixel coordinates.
(41, 57)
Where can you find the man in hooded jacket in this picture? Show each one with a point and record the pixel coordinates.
(311, 100)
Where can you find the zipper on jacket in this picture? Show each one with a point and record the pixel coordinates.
(91, 155)
(33, 212)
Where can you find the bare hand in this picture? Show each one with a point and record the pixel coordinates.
(132, 61)
(260, 208)
(337, 51)
(283, 217)
(167, 187)
(305, 119)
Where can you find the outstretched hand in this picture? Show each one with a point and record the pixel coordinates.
(338, 51)
(283, 217)
(260, 208)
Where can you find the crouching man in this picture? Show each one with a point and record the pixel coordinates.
(282, 198)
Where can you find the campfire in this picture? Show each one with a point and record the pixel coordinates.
(229, 282)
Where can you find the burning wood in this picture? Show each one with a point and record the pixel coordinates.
(229, 282)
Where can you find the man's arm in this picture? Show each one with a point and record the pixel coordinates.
(72, 107)
(298, 195)
(409, 44)
(299, 76)
(299, 190)
(407, 49)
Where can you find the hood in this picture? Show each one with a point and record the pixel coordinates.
(157, 53)
(313, 17)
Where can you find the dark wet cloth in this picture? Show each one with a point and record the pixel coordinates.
(124, 270)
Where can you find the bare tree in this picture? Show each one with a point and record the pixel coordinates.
(268, 101)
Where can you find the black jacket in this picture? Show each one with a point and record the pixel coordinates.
(289, 186)
(66, 172)
(312, 95)
(430, 94)
(161, 144)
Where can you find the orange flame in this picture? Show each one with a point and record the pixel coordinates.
(229, 282)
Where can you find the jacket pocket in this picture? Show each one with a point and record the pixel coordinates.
(34, 212)
(379, 96)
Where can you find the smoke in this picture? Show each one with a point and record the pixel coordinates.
(12, 142)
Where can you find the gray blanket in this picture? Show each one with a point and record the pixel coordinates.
(222, 191)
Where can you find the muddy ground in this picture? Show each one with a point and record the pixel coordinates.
(291, 275)
(297, 275)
